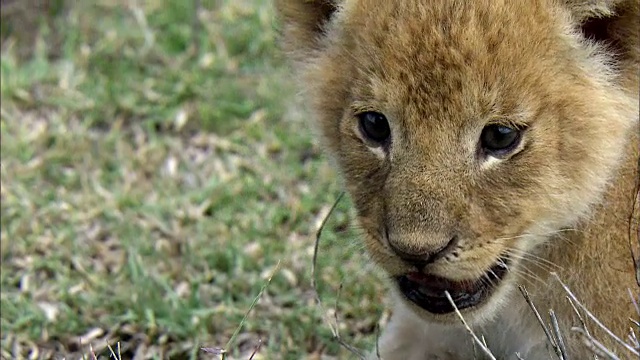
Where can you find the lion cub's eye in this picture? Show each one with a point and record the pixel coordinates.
(499, 139)
(374, 126)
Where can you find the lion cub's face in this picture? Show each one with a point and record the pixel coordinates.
(466, 133)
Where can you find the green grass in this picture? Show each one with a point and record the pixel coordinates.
(155, 169)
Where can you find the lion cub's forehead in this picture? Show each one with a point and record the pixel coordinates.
(422, 28)
(442, 48)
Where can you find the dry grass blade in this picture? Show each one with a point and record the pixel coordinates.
(581, 319)
(317, 244)
(633, 339)
(577, 312)
(314, 282)
(634, 301)
(547, 333)
(484, 341)
(469, 330)
(93, 354)
(253, 304)
(335, 307)
(113, 353)
(594, 345)
(246, 315)
(593, 318)
(378, 342)
(635, 208)
(558, 335)
(335, 330)
(336, 334)
(218, 352)
(255, 351)
(350, 348)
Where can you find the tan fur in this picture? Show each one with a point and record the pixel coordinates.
(440, 70)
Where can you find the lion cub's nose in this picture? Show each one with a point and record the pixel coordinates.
(421, 253)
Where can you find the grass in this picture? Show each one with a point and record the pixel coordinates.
(155, 170)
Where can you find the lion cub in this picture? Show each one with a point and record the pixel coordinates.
(485, 145)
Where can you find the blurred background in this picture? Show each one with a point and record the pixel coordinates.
(156, 172)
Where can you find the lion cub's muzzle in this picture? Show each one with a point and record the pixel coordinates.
(428, 291)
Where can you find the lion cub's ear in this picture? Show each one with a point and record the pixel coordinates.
(303, 23)
(613, 23)
(584, 10)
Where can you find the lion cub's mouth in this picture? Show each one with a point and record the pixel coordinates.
(428, 291)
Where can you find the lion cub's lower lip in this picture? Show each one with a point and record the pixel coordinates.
(428, 291)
